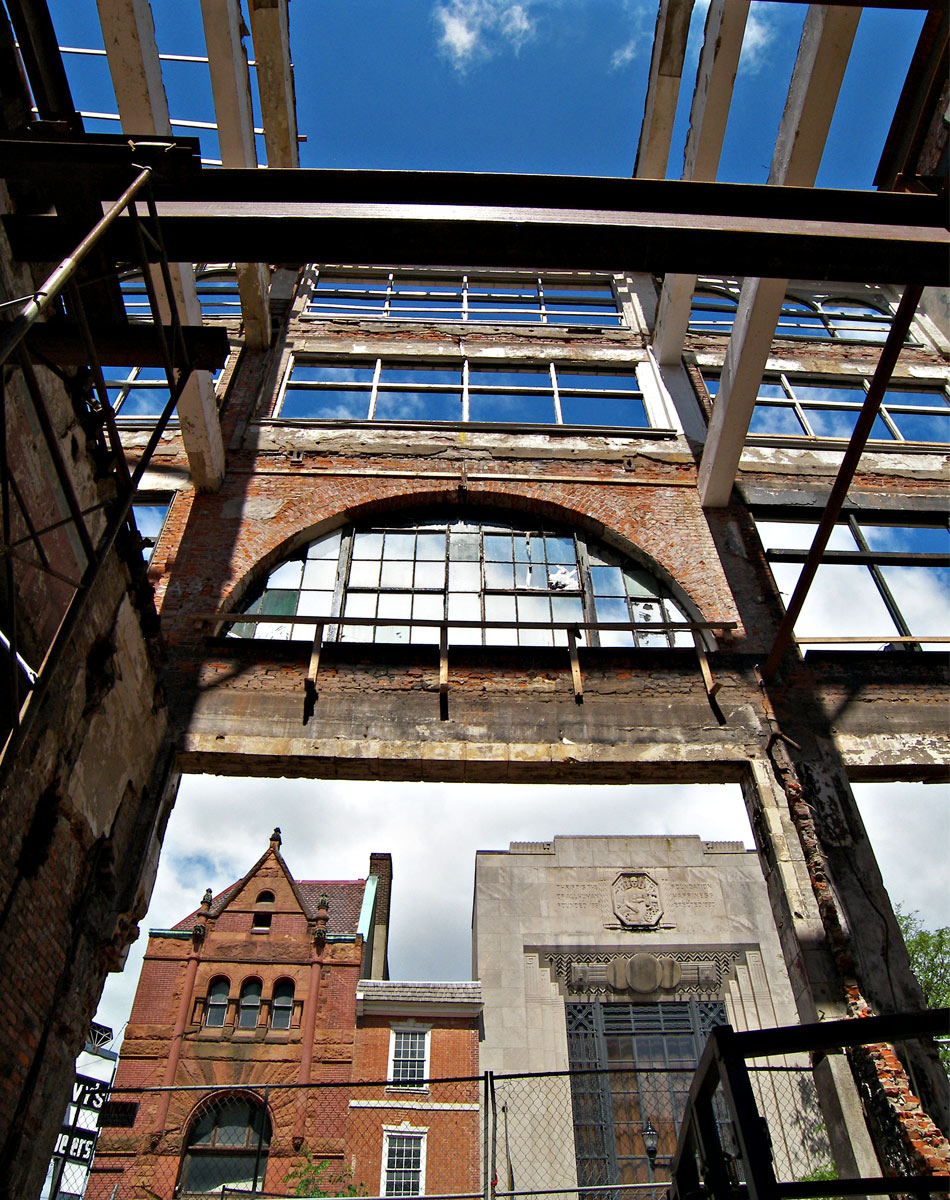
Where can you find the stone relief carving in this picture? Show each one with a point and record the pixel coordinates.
(636, 900)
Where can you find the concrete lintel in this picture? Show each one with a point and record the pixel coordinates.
(715, 79)
(816, 81)
(275, 81)
(128, 31)
(666, 71)
(230, 84)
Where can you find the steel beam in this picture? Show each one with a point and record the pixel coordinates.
(275, 80)
(663, 88)
(528, 239)
(715, 78)
(132, 345)
(816, 80)
(231, 87)
(128, 32)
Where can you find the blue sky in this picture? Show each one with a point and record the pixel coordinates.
(541, 86)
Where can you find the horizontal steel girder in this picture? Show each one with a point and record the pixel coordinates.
(553, 239)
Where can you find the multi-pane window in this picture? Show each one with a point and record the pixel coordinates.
(882, 575)
(149, 520)
(840, 318)
(216, 1004)
(282, 1004)
(478, 296)
(397, 390)
(647, 1054)
(789, 406)
(249, 1006)
(403, 1163)
(215, 283)
(529, 582)
(227, 1148)
(138, 394)
(409, 1057)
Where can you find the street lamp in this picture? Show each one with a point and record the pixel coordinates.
(651, 1141)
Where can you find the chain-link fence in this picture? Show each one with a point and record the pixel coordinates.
(599, 1135)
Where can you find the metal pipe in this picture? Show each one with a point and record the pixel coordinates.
(900, 327)
(12, 334)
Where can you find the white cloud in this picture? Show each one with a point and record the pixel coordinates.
(624, 54)
(479, 29)
(759, 35)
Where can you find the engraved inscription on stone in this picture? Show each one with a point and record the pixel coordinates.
(690, 895)
(579, 897)
(636, 900)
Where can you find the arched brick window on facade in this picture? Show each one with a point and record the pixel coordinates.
(216, 1005)
(465, 570)
(826, 317)
(261, 921)
(282, 1004)
(226, 1147)
(249, 1006)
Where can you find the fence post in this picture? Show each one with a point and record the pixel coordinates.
(486, 1125)
(256, 1187)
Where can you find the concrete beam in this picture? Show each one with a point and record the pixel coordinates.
(663, 88)
(231, 87)
(823, 53)
(715, 79)
(275, 81)
(128, 32)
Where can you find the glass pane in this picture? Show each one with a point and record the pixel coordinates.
(534, 608)
(430, 546)
(611, 609)
(320, 573)
(560, 550)
(429, 575)
(607, 581)
(641, 583)
(499, 608)
(829, 422)
(360, 604)
(331, 373)
(287, 575)
(399, 545)
(505, 378)
(315, 604)
(418, 406)
(567, 608)
(923, 427)
(499, 575)
(464, 576)
(463, 546)
(598, 380)
(325, 404)
(144, 402)
(513, 409)
(497, 548)
(396, 575)
(279, 603)
(420, 374)
(364, 573)
(367, 545)
(779, 421)
(605, 410)
(326, 547)
(464, 606)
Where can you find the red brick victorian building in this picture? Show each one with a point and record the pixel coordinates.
(247, 1012)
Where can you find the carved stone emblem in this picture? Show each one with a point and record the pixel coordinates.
(636, 900)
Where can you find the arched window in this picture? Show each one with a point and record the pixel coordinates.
(282, 1004)
(227, 1147)
(216, 1005)
(528, 582)
(250, 1004)
(265, 898)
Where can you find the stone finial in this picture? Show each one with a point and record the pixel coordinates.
(206, 899)
(323, 915)
(275, 839)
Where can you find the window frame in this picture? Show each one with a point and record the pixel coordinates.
(408, 1085)
(247, 1006)
(409, 1132)
(639, 594)
(255, 1150)
(217, 1004)
(659, 416)
(799, 405)
(278, 1004)
(384, 290)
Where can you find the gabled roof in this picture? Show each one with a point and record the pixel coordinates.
(345, 897)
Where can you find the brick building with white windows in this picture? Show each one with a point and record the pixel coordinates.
(257, 1051)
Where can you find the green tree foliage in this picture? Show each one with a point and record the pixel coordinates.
(929, 952)
(320, 1177)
